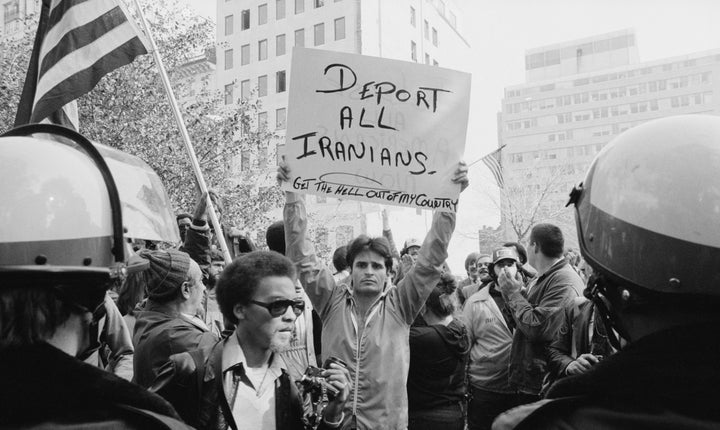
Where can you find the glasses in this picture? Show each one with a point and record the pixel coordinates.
(279, 307)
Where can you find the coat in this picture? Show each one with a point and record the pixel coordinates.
(537, 319)
(490, 343)
(159, 333)
(378, 360)
(43, 386)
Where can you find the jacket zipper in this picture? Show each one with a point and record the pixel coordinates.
(376, 306)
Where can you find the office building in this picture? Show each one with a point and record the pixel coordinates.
(578, 96)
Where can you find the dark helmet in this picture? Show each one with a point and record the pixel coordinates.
(648, 218)
(60, 216)
(648, 211)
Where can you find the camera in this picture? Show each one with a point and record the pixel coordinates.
(314, 383)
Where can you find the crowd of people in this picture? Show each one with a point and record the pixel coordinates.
(533, 336)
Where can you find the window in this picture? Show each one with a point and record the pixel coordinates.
(245, 20)
(11, 10)
(228, 25)
(435, 36)
(340, 28)
(228, 59)
(262, 120)
(453, 19)
(300, 37)
(412, 16)
(280, 117)
(441, 7)
(245, 89)
(319, 3)
(279, 9)
(427, 58)
(435, 63)
(319, 34)
(244, 55)
(280, 81)
(426, 30)
(299, 6)
(413, 51)
(228, 94)
(262, 50)
(262, 86)
(280, 45)
(244, 161)
(262, 14)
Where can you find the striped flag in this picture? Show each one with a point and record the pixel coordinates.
(76, 44)
(492, 161)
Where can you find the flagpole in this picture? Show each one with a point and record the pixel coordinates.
(186, 137)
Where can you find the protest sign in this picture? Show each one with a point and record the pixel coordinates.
(378, 130)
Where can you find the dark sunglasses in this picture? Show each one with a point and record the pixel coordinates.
(279, 307)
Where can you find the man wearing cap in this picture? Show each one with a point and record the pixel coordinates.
(490, 328)
(537, 313)
(169, 324)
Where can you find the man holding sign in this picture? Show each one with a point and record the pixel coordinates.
(382, 131)
(366, 319)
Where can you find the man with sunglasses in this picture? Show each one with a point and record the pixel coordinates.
(244, 382)
(366, 319)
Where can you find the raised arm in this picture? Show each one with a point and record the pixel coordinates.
(387, 233)
(415, 287)
(313, 274)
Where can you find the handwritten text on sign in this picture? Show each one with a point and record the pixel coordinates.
(377, 130)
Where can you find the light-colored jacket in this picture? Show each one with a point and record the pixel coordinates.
(491, 343)
(379, 360)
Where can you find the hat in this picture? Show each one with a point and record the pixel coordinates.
(410, 243)
(167, 271)
(505, 254)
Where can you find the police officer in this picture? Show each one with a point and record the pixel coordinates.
(61, 246)
(648, 217)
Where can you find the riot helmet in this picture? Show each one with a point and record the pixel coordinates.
(648, 214)
(61, 215)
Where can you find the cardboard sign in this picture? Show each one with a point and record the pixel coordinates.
(383, 131)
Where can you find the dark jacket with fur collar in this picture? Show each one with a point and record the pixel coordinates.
(41, 385)
(668, 380)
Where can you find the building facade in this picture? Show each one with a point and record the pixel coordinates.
(254, 46)
(578, 96)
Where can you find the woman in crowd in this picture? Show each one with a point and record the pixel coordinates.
(438, 357)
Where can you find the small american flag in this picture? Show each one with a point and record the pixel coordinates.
(493, 162)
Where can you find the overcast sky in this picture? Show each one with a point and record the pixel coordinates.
(499, 32)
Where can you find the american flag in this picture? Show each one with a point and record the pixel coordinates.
(493, 162)
(76, 44)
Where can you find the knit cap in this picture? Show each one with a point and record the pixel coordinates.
(167, 271)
